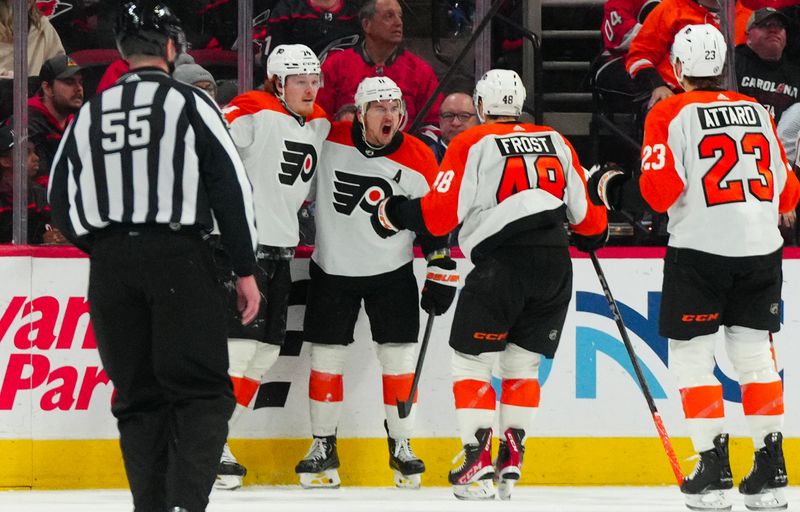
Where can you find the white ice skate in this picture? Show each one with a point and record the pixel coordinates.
(319, 468)
(709, 500)
(405, 464)
(230, 473)
(768, 499)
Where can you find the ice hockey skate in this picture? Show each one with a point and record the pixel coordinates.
(508, 465)
(763, 486)
(229, 473)
(319, 468)
(704, 488)
(474, 479)
(407, 467)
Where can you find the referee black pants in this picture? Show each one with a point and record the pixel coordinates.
(160, 326)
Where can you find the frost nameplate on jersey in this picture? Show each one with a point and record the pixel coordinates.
(526, 145)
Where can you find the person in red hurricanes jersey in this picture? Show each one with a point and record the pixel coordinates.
(512, 185)
(712, 160)
(279, 134)
(365, 162)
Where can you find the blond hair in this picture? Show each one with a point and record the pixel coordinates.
(7, 19)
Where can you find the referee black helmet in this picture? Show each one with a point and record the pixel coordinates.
(143, 28)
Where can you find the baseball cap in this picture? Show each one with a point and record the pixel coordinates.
(6, 138)
(762, 14)
(58, 68)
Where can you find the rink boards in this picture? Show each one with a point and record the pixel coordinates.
(593, 426)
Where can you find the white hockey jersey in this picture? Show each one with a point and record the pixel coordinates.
(712, 160)
(504, 178)
(349, 186)
(280, 156)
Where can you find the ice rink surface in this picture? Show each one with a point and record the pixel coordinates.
(294, 499)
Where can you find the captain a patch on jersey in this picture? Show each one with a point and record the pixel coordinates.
(299, 159)
(353, 190)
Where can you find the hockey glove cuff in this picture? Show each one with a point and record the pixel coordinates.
(384, 219)
(440, 286)
(605, 185)
(590, 243)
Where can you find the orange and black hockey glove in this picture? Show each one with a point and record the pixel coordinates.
(441, 282)
(605, 185)
(384, 219)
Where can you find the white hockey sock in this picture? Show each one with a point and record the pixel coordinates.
(474, 396)
(692, 361)
(397, 363)
(326, 387)
(237, 413)
(750, 351)
(519, 400)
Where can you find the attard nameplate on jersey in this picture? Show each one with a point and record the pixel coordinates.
(526, 145)
(728, 115)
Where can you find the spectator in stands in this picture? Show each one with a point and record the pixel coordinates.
(39, 230)
(648, 57)
(314, 23)
(114, 70)
(622, 20)
(761, 70)
(50, 111)
(188, 72)
(456, 115)
(380, 54)
(43, 40)
(226, 91)
(346, 113)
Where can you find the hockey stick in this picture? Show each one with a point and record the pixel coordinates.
(404, 406)
(662, 432)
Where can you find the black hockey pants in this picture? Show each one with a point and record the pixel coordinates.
(160, 327)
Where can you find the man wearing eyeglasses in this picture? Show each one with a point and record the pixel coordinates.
(456, 115)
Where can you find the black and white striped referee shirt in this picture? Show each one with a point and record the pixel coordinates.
(151, 150)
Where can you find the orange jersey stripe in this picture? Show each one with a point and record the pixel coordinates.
(474, 394)
(397, 387)
(790, 194)
(703, 402)
(521, 392)
(762, 398)
(256, 101)
(244, 390)
(325, 387)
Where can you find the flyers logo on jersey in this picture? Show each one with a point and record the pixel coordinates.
(354, 190)
(298, 160)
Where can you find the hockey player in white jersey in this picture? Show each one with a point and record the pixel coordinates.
(712, 159)
(365, 162)
(279, 134)
(513, 185)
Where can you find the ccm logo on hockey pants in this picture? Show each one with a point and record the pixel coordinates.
(710, 317)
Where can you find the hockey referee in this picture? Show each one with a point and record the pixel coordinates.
(134, 183)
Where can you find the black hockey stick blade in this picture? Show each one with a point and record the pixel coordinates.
(404, 406)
